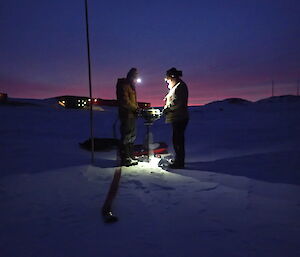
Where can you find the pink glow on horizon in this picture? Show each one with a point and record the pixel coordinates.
(200, 93)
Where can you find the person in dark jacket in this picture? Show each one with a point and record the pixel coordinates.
(128, 108)
(176, 112)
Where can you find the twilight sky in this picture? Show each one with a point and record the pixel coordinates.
(228, 48)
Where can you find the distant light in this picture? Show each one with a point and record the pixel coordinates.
(89, 99)
(95, 100)
(138, 80)
(61, 103)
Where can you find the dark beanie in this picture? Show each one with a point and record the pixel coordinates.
(174, 73)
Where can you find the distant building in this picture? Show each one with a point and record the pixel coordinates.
(80, 102)
(144, 105)
(69, 101)
(3, 97)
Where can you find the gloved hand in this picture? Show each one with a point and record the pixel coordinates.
(164, 111)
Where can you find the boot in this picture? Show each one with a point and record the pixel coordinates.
(131, 152)
(177, 165)
(128, 162)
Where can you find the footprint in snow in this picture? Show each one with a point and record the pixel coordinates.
(163, 187)
(138, 184)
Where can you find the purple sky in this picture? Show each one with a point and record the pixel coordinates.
(229, 48)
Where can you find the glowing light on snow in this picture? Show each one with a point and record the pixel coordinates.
(154, 162)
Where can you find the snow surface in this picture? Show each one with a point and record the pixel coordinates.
(238, 196)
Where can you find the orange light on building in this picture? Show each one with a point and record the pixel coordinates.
(62, 103)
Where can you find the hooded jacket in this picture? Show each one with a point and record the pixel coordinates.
(126, 96)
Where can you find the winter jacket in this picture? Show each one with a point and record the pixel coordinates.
(126, 96)
(176, 108)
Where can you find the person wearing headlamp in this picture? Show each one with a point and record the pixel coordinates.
(176, 113)
(128, 109)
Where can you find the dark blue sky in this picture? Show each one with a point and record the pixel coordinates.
(225, 48)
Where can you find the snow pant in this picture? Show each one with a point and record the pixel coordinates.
(179, 141)
(128, 135)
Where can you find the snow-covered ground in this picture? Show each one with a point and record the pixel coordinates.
(238, 196)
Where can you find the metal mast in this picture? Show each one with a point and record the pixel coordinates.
(90, 81)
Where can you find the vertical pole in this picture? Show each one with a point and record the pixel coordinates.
(148, 142)
(90, 80)
(272, 87)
